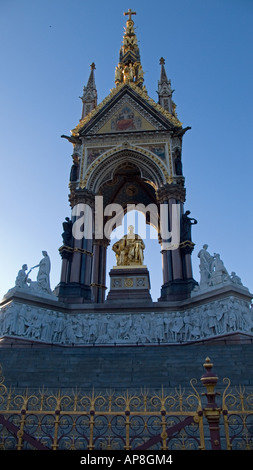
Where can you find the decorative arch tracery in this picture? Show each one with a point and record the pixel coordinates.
(128, 189)
(152, 169)
(113, 175)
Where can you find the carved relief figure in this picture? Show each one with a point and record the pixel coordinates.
(214, 318)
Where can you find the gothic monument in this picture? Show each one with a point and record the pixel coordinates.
(127, 151)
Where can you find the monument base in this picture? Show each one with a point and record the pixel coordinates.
(129, 283)
(73, 292)
(177, 290)
(221, 314)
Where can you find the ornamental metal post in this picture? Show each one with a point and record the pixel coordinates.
(211, 411)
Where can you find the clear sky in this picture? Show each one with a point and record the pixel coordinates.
(47, 47)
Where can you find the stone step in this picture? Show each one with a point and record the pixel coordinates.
(123, 367)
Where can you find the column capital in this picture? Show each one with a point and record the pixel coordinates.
(187, 247)
(66, 252)
(170, 191)
(101, 242)
(81, 196)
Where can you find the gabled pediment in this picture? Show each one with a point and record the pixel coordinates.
(126, 109)
(126, 116)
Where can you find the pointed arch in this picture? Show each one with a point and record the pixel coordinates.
(152, 169)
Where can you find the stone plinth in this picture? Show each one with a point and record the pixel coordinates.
(220, 315)
(129, 283)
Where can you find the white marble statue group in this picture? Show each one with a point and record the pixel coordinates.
(39, 287)
(213, 271)
(211, 319)
(191, 323)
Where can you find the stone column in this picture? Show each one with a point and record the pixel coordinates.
(188, 266)
(76, 262)
(99, 270)
(66, 254)
(177, 272)
(87, 262)
(75, 285)
(166, 263)
(165, 266)
(175, 254)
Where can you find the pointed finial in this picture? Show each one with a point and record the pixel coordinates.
(89, 97)
(208, 365)
(164, 89)
(209, 379)
(129, 68)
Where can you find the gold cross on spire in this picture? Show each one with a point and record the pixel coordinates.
(129, 13)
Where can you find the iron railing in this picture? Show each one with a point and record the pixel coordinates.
(111, 420)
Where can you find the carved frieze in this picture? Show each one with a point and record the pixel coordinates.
(211, 319)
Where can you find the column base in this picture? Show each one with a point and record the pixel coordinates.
(73, 293)
(178, 289)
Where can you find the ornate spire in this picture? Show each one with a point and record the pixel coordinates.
(129, 68)
(164, 90)
(89, 97)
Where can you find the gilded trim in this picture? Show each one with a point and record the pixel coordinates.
(142, 93)
(101, 158)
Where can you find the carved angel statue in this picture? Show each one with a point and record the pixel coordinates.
(118, 74)
(140, 73)
(131, 72)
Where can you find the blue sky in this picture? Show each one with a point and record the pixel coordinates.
(46, 50)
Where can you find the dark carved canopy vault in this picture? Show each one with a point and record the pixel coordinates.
(128, 187)
(151, 171)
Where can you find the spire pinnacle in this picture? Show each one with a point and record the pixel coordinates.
(89, 97)
(129, 68)
(164, 89)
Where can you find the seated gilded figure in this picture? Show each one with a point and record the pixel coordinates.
(129, 249)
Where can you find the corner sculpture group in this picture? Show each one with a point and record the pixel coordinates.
(212, 318)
